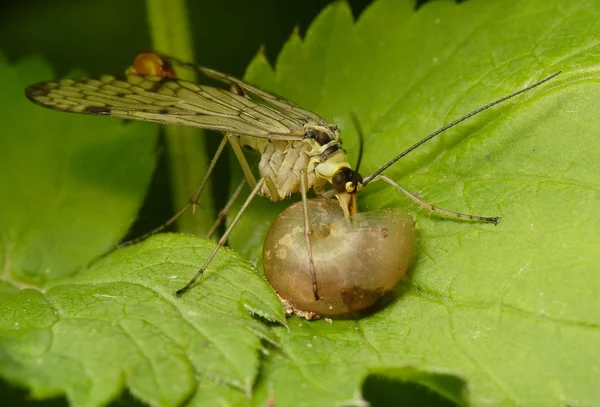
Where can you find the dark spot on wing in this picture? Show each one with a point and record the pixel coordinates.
(237, 89)
(163, 111)
(100, 110)
(36, 91)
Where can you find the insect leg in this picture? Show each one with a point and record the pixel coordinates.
(237, 149)
(433, 208)
(222, 240)
(193, 201)
(223, 212)
(308, 232)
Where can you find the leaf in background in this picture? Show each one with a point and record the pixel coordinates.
(513, 308)
(72, 186)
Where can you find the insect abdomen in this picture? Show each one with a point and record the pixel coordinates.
(283, 162)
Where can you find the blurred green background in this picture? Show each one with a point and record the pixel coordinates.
(101, 36)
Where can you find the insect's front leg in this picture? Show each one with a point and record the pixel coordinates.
(308, 232)
(237, 149)
(432, 208)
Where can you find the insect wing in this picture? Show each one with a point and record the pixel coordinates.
(176, 102)
(277, 102)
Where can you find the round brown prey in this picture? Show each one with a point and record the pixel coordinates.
(357, 259)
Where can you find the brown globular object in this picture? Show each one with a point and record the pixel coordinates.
(357, 259)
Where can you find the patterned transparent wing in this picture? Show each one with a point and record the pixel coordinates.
(157, 99)
(163, 64)
(277, 102)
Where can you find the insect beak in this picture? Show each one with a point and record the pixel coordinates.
(348, 202)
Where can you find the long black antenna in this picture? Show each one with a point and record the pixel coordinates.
(361, 139)
(454, 123)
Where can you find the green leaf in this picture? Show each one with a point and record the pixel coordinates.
(118, 324)
(71, 185)
(511, 308)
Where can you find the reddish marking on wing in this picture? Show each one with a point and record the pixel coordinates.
(151, 63)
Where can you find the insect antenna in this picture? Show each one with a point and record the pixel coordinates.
(361, 139)
(454, 123)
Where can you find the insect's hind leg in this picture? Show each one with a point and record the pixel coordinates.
(193, 201)
(222, 240)
(432, 208)
(248, 178)
(225, 211)
(307, 233)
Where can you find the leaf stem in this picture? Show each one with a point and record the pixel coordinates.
(186, 147)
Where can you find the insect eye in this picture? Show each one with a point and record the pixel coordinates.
(338, 182)
(346, 180)
(340, 178)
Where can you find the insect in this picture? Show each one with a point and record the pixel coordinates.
(298, 149)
